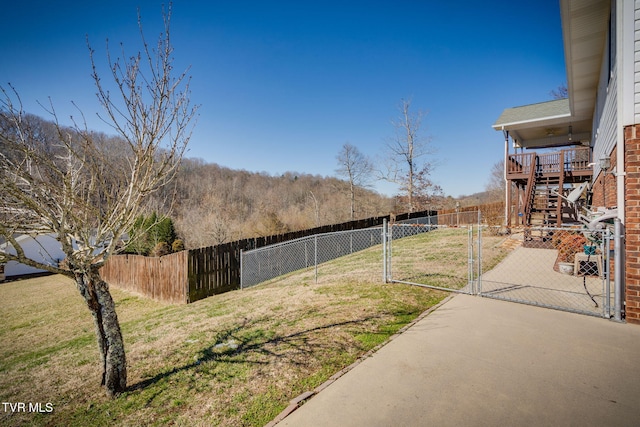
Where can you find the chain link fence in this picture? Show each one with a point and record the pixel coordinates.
(567, 268)
(269, 262)
(442, 259)
(455, 219)
(262, 264)
(561, 268)
(435, 256)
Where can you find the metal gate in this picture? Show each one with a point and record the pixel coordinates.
(435, 252)
(567, 269)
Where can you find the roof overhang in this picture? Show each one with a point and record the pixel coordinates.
(567, 121)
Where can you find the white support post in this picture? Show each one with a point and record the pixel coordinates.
(507, 184)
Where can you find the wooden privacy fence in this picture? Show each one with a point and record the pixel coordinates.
(160, 278)
(194, 274)
(213, 270)
(492, 214)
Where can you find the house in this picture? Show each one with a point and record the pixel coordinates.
(43, 248)
(591, 137)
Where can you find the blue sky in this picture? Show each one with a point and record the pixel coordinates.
(283, 85)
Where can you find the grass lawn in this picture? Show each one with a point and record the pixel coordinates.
(441, 258)
(230, 360)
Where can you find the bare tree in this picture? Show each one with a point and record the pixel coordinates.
(406, 163)
(357, 168)
(316, 208)
(76, 189)
(561, 92)
(495, 186)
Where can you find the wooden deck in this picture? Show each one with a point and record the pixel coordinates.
(538, 178)
(572, 162)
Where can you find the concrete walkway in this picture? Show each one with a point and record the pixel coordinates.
(481, 362)
(527, 274)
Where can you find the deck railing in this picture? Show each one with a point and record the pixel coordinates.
(569, 160)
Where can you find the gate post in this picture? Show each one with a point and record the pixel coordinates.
(479, 285)
(470, 279)
(606, 250)
(384, 251)
(618, 281)
(241, 275)
(315, 255)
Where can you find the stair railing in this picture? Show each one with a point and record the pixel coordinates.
(531, 184)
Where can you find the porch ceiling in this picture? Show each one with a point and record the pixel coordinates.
(546, 124)
(584, 27)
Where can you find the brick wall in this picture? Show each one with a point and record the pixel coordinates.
(605, 186)
(632, 222)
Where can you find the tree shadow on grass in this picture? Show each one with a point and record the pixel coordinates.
(236, 346)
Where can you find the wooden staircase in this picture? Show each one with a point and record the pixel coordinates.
(537, 178)
(544, 207)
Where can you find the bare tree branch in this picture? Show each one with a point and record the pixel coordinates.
(406, 163)
(357, 168)
(87, 189)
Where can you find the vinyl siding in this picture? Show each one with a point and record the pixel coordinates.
(605, 117)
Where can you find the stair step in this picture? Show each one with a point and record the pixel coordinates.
(511, 243)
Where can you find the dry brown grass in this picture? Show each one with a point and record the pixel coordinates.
(231, 360)
(440, 258)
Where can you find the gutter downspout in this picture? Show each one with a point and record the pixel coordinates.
(625, 42)
(625, 73)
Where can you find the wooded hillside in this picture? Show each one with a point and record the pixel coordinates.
(214, 204)
(211, 204)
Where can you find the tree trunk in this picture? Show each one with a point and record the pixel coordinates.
(110, 344)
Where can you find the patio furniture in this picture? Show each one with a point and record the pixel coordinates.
(575, 194)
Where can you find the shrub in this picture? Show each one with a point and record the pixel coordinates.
(493, 215)
(568, 245)
(162, 248)
(148, 232)
(557, 236)
(177, 245)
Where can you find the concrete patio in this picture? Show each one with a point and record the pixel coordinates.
(481, 362)
(527, 274)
